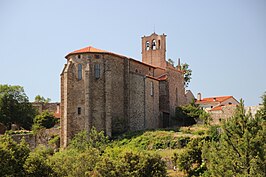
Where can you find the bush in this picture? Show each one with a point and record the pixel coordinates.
(72, 162)
(189, 160)
(131, 163)
(191, 114)
(13, 156)
(93, 139)
(44, 120)
(37, 164)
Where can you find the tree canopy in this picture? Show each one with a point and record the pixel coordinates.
(187, 73)
(41, 99)
(15, 107)
(240, 151)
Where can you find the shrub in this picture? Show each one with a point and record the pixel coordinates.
(44, 120)
(13, 156)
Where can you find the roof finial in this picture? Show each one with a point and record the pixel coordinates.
(154, 28)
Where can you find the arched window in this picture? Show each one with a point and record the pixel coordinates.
(152, 89)
(97, 71)
(153, 44)
(147, 45)
(79, 71)
(159, 44)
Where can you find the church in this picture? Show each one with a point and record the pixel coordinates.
(116, 93)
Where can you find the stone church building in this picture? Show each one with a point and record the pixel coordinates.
(116, 93)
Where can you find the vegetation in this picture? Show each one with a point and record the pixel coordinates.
(41, 99)
(15, 107)
(44, 120)
(187, 73)
(191, 114)
(234, 148)
(13, 156)
(186, 70)
(240, 151)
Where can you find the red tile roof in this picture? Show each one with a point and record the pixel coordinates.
(213, 100)
(217, 108)
(57, 115)
(91, 49)
(162, 77)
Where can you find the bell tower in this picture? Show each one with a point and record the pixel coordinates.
(153, 50)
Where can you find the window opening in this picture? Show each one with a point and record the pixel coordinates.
(153, 44)
(147, 45)
(152, 89)
(79, 71)
(97, 56)
(97, 71)
(79, 110)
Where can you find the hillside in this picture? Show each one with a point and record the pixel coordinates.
(165, 142)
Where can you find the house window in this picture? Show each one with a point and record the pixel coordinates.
(79, 71)
(147, 45)
(79, 110)
(97, 71)
(79, 56)
(152, 89)
(153, 44)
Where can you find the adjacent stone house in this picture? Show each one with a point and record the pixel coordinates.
(51, 107)
(220, 107)
(116, 93)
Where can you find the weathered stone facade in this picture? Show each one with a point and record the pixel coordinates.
(115, 93)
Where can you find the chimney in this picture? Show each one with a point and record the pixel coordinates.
(57, 108)
(199, 96)
(178, 65)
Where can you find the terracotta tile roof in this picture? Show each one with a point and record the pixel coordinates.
(91, 49)
(217, 108)
(88, 49)
(218, 99)
(162, 77)
(57, 115)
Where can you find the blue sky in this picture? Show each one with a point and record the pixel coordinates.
(224, 42)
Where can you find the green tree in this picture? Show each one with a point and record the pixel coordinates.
(41, 99)
(191, 113)
(15, 107)
(44, 120)
(13, 156)
(187, 73)
(72, 163)
(37, 163)
(93, 139)
(240, 150)
(129, 163)
(189, 160)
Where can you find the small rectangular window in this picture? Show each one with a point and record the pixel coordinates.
(97, 71)
(79, 110)
(97, 56)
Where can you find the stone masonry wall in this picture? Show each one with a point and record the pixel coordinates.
(176, 90)
(137, 96)
(225, 113)
(151, 103)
